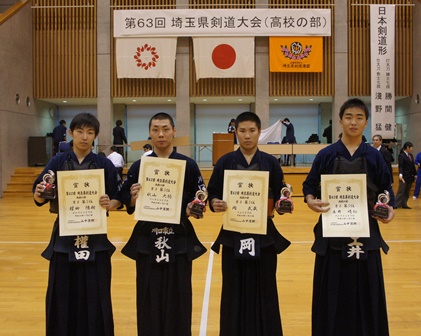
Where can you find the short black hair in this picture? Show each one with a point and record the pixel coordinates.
(62, 121)
(407, 144)
(119, 122)
(114, 148)
(83, 120)
(354, 102)
(147, 146)
(162, 116)
(377, 136)
(248, 116)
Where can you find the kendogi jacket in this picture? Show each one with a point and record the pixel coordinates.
(79, 248)
(263, 162)
(163, 241)
(336, 159)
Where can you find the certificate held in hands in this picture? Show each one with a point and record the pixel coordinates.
(161, 195)
(246, 193)
(348, 214)
(79, 192)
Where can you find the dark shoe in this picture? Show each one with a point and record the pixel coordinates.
(406, 207)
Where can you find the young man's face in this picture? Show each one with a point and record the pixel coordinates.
(409, 149)
(247, 134)
(83, 137)
(353, 122)
(161, 133)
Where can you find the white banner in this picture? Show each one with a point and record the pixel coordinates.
(222, 22)
(223, 57)
(146, 57)
(382, 23)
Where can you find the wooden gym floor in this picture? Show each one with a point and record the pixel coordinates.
(25, 230)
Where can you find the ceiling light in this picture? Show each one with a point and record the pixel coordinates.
(205, 100)
(64, 101)
(134, 100)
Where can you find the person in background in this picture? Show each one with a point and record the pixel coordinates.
(418, 182)
(388, 158)
(327, 133)
(289, 138)
(231, 129)
(59, 135)
(147, 150)
(117, 161)
(249, 299)
(164, 285)
(290, 134)
(390, 143)
(78, 298)
(119, 137)
(348, 288)
(407, 175)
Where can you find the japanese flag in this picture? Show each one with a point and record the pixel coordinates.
(222, 57)
(146, 57)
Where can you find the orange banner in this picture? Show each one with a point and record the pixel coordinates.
(296, 54)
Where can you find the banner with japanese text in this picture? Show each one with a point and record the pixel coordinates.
(146, 57)
(296, 54)
(382, 33)
(223, 57)
(222, 22)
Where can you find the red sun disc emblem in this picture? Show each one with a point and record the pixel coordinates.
(223, 56)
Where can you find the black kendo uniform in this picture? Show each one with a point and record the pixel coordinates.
(348, 293)
(164, 288)
(78, 298)
(249, 300)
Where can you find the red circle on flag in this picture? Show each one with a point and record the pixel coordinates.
(223, 56)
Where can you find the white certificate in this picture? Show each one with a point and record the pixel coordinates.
(246, 194)
(348, 214)
(161, 195)
(79, 192)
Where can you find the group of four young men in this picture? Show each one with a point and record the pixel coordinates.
(348, 295)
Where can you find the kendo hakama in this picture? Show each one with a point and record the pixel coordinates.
(78, 300)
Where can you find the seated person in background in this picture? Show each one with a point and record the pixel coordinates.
(117, 160)
(147, 149)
